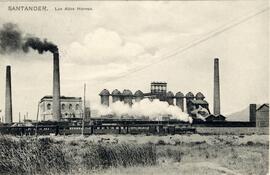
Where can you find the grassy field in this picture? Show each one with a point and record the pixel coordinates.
(129, 154)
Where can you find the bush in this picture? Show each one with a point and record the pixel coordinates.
(250, 143)
(172, 153)
(31, 156)
(47, 156)
(161, 142)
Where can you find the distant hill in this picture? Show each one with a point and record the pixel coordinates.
(242, 115)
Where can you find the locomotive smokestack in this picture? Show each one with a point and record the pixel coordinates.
(216, 88)
(8, 104)
(56, 88)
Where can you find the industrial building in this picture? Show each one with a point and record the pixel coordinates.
(158, 90)
(259, 114)
(195, 105)
(71, 107)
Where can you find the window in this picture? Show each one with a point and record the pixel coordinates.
(77, 106)
(48, 106)
(63, 106)
(70, 106)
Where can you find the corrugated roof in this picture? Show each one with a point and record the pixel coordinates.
(179, 94)
(199, 102)
(49, 97)
(116, 92)
(126, 92)
(170, 94)
(158, 82)
(138, 93)
(199, 95)
(215, 118)
(265, 104)
(190, 94)
(104, 92)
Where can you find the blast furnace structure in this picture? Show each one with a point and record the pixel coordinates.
(158, 90)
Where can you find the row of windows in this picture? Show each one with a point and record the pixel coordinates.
(63, 106)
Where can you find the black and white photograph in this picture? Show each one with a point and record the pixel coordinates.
(134, 87)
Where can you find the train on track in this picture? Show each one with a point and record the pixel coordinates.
(115, 126)
(100, 126)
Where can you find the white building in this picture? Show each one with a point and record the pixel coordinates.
(71, 107)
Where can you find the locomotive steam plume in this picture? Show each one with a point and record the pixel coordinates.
(13, 40)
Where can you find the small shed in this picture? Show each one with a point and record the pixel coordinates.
(262, 115)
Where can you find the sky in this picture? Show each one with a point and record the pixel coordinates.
(129, 44)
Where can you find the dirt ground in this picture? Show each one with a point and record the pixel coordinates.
(194, 154)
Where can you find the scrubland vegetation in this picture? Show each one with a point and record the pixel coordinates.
(127, 154)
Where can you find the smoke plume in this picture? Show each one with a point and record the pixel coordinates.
(154, 110)
(13, 40)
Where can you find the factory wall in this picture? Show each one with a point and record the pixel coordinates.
(70, 108)
(262, 116)
(259, 115)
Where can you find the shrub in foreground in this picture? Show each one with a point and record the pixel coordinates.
(47, 156)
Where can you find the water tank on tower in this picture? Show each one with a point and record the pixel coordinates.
(179, 96)
(189, 97)
(170, 97)
(104, 96)
(138, 95)
(116, 95)
(127, 96)
(199, 96)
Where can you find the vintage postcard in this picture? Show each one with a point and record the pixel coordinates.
(134, 87)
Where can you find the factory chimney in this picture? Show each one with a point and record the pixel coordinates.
(216, 88)
(8, 104)
(56, 88)
(252, 113)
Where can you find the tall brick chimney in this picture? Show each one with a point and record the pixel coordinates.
(56, 88)
(8, 102)
(216, 88)
(252, 113)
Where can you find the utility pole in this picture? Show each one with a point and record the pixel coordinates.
(1, 117)
(19, 117)
(83, 116)
(36, 132)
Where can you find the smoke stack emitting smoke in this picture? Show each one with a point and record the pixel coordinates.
(56, 88)
(13, 40)
(155, 110)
